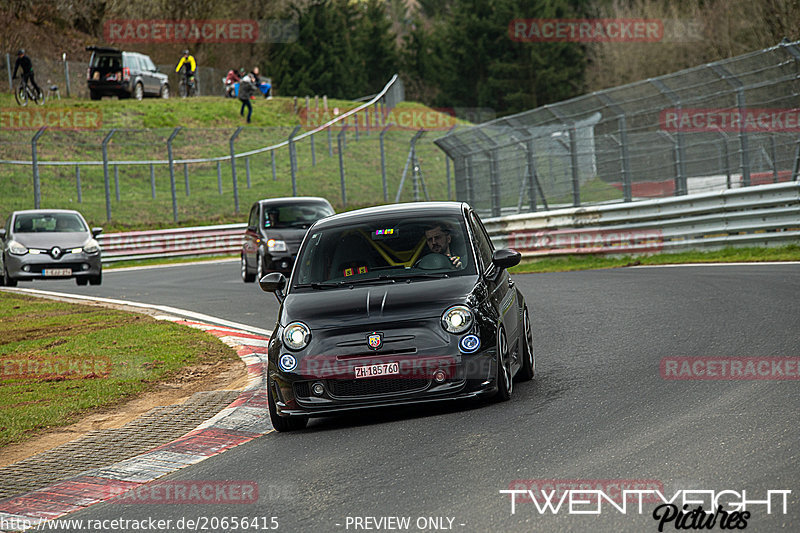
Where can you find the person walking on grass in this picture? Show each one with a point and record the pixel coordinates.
(246, 89)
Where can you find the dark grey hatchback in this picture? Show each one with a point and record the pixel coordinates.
(49, 244)
(275, 228)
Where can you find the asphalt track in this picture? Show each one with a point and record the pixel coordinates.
(598, 409)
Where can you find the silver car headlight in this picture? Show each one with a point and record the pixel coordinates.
(16, 248)
(296, 336)
(457, 319)
(91, 247)
(276, 246)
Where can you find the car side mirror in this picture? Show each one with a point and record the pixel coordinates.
(505, 258)
(273, 282)
(96, 231)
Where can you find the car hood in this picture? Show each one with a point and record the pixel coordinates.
(290, 235)
(45, 241)
(379, 302)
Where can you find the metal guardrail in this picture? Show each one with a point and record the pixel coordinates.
(179, 242)
(765, 215)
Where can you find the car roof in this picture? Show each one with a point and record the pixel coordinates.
(410, 209)
(35, 211)
(294, 200)
(104, 49)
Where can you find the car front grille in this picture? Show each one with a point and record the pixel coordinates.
(371, 387)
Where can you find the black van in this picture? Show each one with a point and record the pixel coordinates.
(113, 72)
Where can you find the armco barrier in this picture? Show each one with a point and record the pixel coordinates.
(197, 241)
(764, 215)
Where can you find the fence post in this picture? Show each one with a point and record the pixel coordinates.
(383, 166)
(66, 72)
(313, 153)
(37, 193)
(8, 68)
(172, 173)
(116, 182)
(341, 165)
(796, 169)
(247, 170)
(330, 143)
(774, 155)
(573, 157)
(152, 181)
(78, 183)
(274, 172)
(219, 177)
(186, 178)
(355, 116)
(233, 169)
(293, 159)
(105, 173)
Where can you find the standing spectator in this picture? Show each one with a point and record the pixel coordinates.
(24, 63)
(246, 89)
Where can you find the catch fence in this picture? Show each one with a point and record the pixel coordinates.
(728, 124)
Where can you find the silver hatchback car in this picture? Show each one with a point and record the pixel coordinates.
(49, 244)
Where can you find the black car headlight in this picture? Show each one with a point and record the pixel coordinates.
(296, 336)
(457, 319)
(276, 246)
(16, 248)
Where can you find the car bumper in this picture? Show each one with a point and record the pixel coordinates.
(279, 262)
(42, 266)
(467, 376)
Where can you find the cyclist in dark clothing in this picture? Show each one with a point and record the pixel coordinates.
(24, 63)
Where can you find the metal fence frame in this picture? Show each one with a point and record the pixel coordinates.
(617, 136)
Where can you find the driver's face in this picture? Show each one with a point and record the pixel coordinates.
(438, 241)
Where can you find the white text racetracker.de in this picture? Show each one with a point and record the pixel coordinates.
(400, 523)
(592, 501)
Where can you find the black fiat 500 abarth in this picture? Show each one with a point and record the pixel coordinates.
(392, 305)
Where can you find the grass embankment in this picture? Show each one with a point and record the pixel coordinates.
(727, 255)
(60, 360)
(208, 123)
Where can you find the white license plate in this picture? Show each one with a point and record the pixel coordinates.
(57, 272)
(382, 369)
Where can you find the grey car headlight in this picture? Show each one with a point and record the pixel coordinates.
(457, 319)
(91, 247)
(16, 248)
(296, 336)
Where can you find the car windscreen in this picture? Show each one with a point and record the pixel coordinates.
(293, 215)
(49, 222)
(385, 248)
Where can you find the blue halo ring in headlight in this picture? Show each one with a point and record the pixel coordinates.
(287, 362)
(469, 343)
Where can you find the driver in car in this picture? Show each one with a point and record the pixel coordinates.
(438, 238)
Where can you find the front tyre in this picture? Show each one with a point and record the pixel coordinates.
(282, 423)
(21, 96)
(164, 91)
(138, 91)
(38, 97)
(528, 369)
(96, 280)
(247, 277)
(8, 281)
(505, 383)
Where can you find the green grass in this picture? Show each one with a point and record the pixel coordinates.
(208, 123)
(726, 255)
(60, 360)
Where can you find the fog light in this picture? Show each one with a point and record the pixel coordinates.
(284, 264)
(85, 266)
(26, 268)
(317, 388)
(439, 376)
